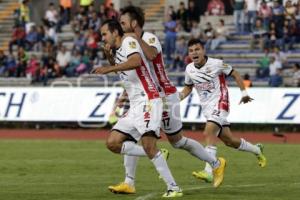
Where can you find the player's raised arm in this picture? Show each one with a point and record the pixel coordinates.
(133, 62)
(149, 51)
(239, 81)
(187, 89)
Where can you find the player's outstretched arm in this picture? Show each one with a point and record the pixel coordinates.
(133, 62)
(187, 89)
(239, 81)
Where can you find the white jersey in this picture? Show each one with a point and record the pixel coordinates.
(209, 81)
(138, 82)
(158, 67)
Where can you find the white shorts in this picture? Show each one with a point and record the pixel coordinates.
(142, 117)
(171, 118)
(213, 114)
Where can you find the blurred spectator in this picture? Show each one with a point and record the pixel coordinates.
(251, 6)
(276, 80)
(215, 7)
(221, 34)
(239, 15)
(195, 31)
(24, 12)
(293, 34)
(11, 65)
(265, 13)
(264, 62)
(280, 56)
(259, 35)
(85, 5)
(65, 8)
(182, 17)
(290, 10)
(180, 54)
(18, 37)
(22, 62)
(102, 13)
(74, 63)
(209, 34)
(40, 37)
(94, 22)
(274, 65)
(92, 42)
(79, 42)
(246, 80)
(50, 34)
(193, 13)
(275, 36)
(3, 63)
(278, 13)
(171, 12)
(32, 68)
(63, 59)
(170, 39)
(111, 12)
(91, 9)
(298, 13)
(31, 38)
(51, 16)
(296, 75)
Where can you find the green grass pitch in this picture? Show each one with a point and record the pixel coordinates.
(82, 170)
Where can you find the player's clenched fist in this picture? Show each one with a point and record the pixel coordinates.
(246, 99)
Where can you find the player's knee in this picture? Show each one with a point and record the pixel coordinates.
(180, 144)
(113, 145)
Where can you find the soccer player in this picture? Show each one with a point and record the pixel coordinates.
(142, 121)
(207, 76)
(132, 21)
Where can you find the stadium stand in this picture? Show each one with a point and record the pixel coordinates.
(236, 50)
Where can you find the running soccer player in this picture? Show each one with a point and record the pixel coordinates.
(207, 76)
(132, 21)
(142, 121)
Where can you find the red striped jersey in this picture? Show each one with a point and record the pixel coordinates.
(209, 82)
(158, 67)
(137, 82)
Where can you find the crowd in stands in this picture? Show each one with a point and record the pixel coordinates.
(273, 26)
(55, 59)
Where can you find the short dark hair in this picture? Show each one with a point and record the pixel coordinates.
(297, 65)
(113, 25)
(195, 41)
(135, 13)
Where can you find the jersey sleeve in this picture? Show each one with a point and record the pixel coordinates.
(131, 46)
(152, 41)
(225, 68)
(187, 79)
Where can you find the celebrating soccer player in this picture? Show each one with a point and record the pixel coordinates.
(207, 76)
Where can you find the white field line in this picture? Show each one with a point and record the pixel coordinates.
(153, 194)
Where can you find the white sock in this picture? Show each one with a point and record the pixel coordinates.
(132, 149)
(247, 146)
(130, 163)
(162, 168)
(197, 150)
(212, 150)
